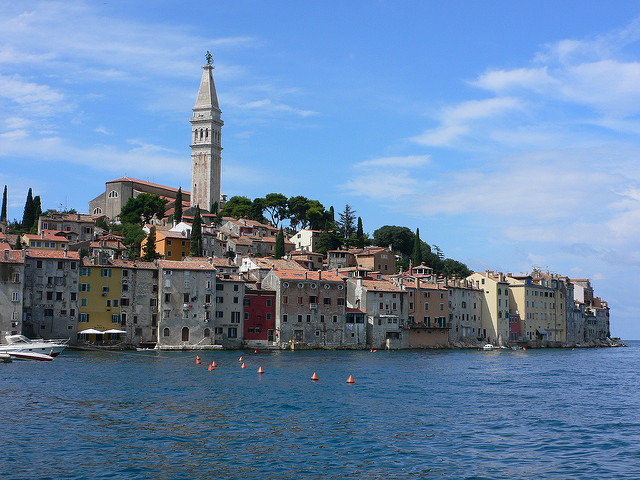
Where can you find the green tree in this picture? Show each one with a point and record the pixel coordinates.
(196, 234)
(279, 253)
(18, 245)
(27, 216)
(275, 205)
(401, 239)
(453, 267)
(133, 235)
(347, 222)
(149, 249)
(360, 234)
(3, 215)
(177, 211)
(37, 211)
(237, 207)
(297, 208)
(417, 257)
(328, 240)
(142, 209)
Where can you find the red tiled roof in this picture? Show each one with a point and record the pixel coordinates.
(185, 265)
(41, 253)
(307, 275)
(149, 184)
(11, 256)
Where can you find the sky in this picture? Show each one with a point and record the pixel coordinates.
(507, 131)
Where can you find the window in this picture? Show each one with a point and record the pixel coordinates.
(308, 318)
(15, 297)
(285, 299)
(232, 332)
(167, 282)
(341, 302)
(299, 300)
(284, 318)
(115, 318)
(39, 264)
(84, 287)
(185, 334)
(299, 318)
(84, 317)
(105, 290)
(235, 317)
(165, 332)
(426, 305)
(442, 307)
(83, 302)
(74, 296)
(60, 265)
(207, 298)
(219, 299)
(58, 296)
(268, 303)
(219, 314)
(113, 194)
(187, 284)
(115, 303)
(235, 299)
(105, 272)
(219, 286)
(268, 316)
(235, 288)
(335, 319)
(108, 303)
(185, 297)
(218, 330)
(321, 318)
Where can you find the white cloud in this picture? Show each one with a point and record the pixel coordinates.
(406, 161)
(457, 120)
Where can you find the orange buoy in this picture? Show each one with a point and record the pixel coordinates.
(524, 348)
(211, 367)
(240, 359)
(255, 351)
(375, 351)
(198, 361)
(260, 370)
(314, 377)
(572, 349)
(243, 365)
(350, 379)
(214, 364)
(371, 351)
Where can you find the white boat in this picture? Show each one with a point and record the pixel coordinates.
(18, 355)
(488, 347)
(22, 344)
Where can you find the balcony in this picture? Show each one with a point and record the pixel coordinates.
(313, 306)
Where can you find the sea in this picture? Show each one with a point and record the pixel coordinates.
(452, 414)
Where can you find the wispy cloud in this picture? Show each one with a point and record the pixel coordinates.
(406, 161)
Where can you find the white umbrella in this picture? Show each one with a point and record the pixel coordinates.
(91, 331)
(114, 331)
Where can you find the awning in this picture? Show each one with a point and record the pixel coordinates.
(114, 331)
(541, 331)
(91, 331)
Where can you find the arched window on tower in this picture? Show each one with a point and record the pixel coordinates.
(97, 211)
(200, 134)
(206, 133)
(195, 136)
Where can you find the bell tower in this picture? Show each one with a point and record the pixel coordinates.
(206, 143)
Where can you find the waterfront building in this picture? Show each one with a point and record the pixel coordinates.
(186, 293)
(428, 304)
(540, 303)
(50, 308)
(495, 305)
(310, 308)
(138, 302)
(260, 267)
(386, 307)
(229, 311)
(206, 144)
(11, 292)
(100, 292)
(259, 315)
(465, 310)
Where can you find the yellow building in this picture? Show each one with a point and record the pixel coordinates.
(171, 245)
(100, 290)
(540, 302)
(495, 305)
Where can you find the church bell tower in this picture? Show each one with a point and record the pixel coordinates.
(206, 144)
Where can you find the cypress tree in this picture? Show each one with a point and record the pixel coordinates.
(360, 234)
(27, 216)
(417, 249)
(37, 211)
(150, 247)
(196, 234)
(279, 253)
(177, 212)
(18, 243)
(3, 215)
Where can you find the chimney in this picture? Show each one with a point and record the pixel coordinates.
(319, 274)
(258, 285)
(359, 282)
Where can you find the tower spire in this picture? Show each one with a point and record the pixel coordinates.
(206, 146)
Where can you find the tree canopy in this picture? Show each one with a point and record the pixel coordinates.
(401, 239)
(141, 209)
(177, 211)
(195, 249)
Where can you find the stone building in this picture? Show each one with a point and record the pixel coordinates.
(76, 227)
(139, 302)
(386, 308)
(11, 292)
(465, 310)
(310, 308)
(186, 293)
(229, 311)
(50, 308)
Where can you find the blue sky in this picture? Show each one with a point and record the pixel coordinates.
(508, 132)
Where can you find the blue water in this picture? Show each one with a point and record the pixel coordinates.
(544, 414)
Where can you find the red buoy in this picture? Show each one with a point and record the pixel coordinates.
(198, 362)
(350, 379)
(211, 367)
(243, 365)
(314, 377)
(255, 351)
(260, 369)
(214, 364)
(524, 348)
(240, 359)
